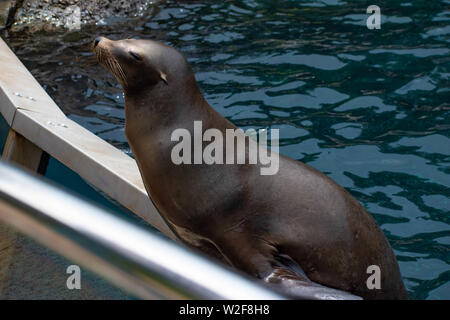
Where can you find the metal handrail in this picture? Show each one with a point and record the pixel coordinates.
(144, 264)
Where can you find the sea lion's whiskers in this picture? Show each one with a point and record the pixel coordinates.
(120, 72)
(116, 69)
(119, 67)
(113, 66)
(111, 62)
(98, 53)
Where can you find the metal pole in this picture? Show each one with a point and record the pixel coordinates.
(144, 264)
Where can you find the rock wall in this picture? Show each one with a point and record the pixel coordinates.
(69, 14)
(8, 10)
(4, 9)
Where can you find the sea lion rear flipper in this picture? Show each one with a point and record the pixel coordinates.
(295, 287)
(289, 278)
(278, 271)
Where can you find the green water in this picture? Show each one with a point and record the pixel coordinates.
(370, 108)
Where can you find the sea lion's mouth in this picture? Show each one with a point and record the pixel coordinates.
(104, 55)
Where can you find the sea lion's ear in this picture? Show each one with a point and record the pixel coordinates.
(163, 77)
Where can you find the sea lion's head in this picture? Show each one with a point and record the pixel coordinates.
(142, 64)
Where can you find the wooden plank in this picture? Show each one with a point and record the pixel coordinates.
(22, 152)
(95, 160)
(20, 90)
(39, 125)
(32, 113)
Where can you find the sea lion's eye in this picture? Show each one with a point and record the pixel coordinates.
(135, 56)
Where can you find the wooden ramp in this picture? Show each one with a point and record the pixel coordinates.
(38, 124)
(39, 128)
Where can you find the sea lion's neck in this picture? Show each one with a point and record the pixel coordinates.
(156, 110)
(154, 106)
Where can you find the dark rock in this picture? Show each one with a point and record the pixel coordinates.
(55, 14)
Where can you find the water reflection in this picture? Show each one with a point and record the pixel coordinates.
(368, 107)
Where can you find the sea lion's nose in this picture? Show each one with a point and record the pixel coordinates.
(97, 41)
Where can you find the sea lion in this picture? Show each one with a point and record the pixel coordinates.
(295, 229)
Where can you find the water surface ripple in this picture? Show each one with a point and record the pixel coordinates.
(370, 108)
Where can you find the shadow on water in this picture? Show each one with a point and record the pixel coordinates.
(368, 107)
